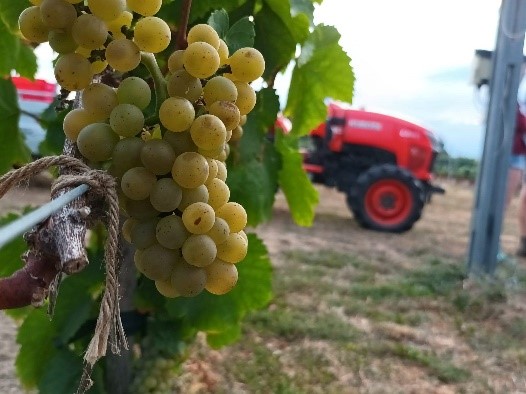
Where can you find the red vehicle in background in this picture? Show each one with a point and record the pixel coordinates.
(382, 163)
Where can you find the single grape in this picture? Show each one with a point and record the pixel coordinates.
(228, 112)
(219, 231)
(99, 99)
(136, 91)
(145, 8)
(247, 64)
(158, 262)
(171, 232)
(218, 193)
(123, 55)
(182, 84)
(76, 120)
(115, 26)
(199, 218)
(234, 214)
(89, 31)
(181, 142)
(126, 120)
(221, 171)
(140, 209)
(212, 170)
(199, 250)
(212, 153)
(201, 60)
(127, 228)
(31, 25)
(219, 88)
(143, 233)
(176, 114)
(62, 41)
(73, 71)
(190, 170)
(57, 14)
(152, 34)
(127, 153)
(188, 280)
(166, 195)
(190, 196)
(166, 288)
(208, 132)
(96, 141)
(221, 277)
(107, 10)
(175, 60)
(234, 249)
(205, 33)
(246, 97)
(237, 133)
(137, 183)
(223, 52)
(157, 156)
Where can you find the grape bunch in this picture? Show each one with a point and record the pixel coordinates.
(170, 166)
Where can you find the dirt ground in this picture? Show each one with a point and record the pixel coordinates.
(443, 231)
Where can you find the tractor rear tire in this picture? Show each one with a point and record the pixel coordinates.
(386, 198)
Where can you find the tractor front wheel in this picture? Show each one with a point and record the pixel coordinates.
(386, 198)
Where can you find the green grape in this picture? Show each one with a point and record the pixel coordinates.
(176, 114)
(166, 195)
(212, 153)
(62, 41)
(182, 84)
(96, 141)
(227, 138)
(190, 170)
(219, 89)
(145, 8)
(224, 154)
(143, 233)
(31, 25)
(98, 65)
(57, 14)
(126, 120)
(221, 277)
(123, 55)
(218, 193)
(198, 218)
(227, 112)
(171, 232)
(247, 64)
(208, 132)
(76, 120)
(244, 235)
(243, 120)
(158, 262)
(190, 196)
(107, 10)
(175, 60)
(127, 228)
(99, 99)
(199, 250)
(73, 71)
(234, 249)
(181, 142)
(157, 156)
(115, 26)
(212, 170)
(237, 133)
(137, 183)
(89, 31)
(246, 97)
(221, 171)
(166, 288)
(223, 52)
(188, 280)
(205, 33)
(234, 214)
(137, 259)
(140, 209)
(152, 34)
(201, 60)
(219, 231)
(127, 153)
(135, 91)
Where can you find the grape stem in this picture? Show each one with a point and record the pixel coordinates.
(159, 82)
(180, 41)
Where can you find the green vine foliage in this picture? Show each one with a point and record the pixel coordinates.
(50, 356)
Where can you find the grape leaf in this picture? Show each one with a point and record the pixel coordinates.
(220, 22)
(323, 70)
(10, 11)
(9, 44)
(221, 315)
(12, 146)
(11, 252)
(305, 7)
(26, 64)
(297, 24)
(52, 121)
(302, 197)
(241, 34)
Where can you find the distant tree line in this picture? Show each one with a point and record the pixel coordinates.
(458, 168)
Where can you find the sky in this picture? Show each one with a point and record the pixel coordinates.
(411, 58)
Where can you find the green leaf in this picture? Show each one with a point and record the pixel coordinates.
(10, 253)
(10, 10)
(26, 64)
(52, 122)
(254, 163)
(241, 34)
(302, 197)
(35, 337)
(9, 44)
(305, 7)
(323, 70)
(297, 22)
(12, 147)
(221, 316)
(220, 22)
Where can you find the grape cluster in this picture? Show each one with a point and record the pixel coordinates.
(172, 173)
(155, 374)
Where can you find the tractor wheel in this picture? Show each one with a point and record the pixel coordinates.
(386, 198)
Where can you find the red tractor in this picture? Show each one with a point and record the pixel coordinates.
(384, 165)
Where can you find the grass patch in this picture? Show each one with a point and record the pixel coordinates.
(323, 258)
